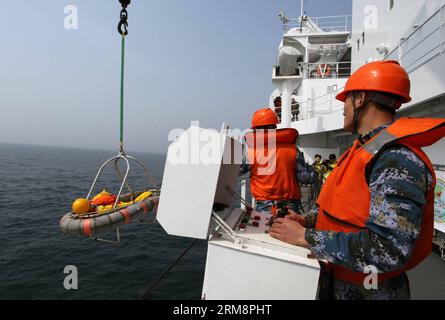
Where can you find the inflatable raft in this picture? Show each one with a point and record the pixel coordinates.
(92, 224)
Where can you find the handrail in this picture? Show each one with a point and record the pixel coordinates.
(424, 55)
(418, 43)
(322, 96)
(416, 30)
(324, 44)
(327, 17)
(325, 23)
(405, 52)
(324, 70)
(322, 17)
(297, 114)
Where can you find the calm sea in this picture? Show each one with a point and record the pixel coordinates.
(38, 185)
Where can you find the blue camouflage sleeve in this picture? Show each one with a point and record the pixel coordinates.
(398, 184)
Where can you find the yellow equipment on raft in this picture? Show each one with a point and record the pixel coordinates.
(120, 205)
(81, 206)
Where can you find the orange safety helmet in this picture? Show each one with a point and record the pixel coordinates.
(379, 76)
(264, 117)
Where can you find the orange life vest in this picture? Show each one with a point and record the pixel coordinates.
(344, 201)
(272, 155)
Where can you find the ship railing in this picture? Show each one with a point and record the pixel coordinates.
(324, 103)
(323, 70)
(328, 47)
(321, 105)
(426, 42)
(326, 23)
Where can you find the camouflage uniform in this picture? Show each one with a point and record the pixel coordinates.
(398, 184)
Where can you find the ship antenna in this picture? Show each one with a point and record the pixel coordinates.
(302, 8)
(302, 13)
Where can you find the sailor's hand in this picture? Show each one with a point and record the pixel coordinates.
(295, 217)
(289, 231)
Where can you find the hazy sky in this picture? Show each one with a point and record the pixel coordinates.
(187, 60)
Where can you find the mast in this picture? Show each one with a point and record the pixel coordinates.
(301, 8)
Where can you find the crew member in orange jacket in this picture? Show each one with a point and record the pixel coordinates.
(272, 155)
(374, 219)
